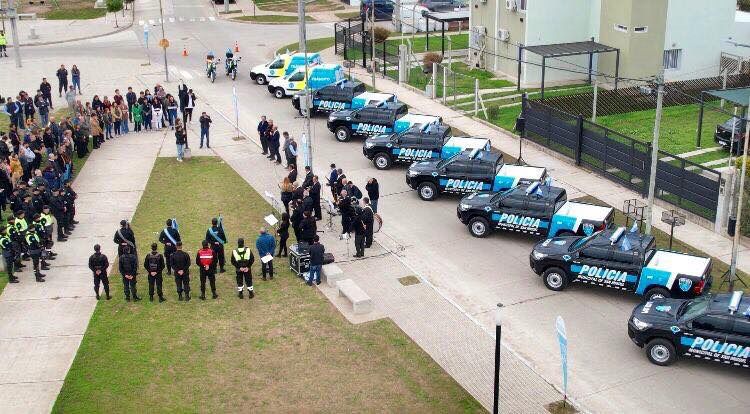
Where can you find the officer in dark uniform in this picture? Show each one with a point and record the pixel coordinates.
(34, 248)
(206, 260)
(22, 226)
(181, 267)
(47, 222)
(215, 235)
(124, 237)
(42, 234)
(242, 260)
(8, 254)
(368, 218)
(169, 237)
(17, 242)
(154, 265)
(99, 264)
(57, 206)
(70, 202)
(128, 267)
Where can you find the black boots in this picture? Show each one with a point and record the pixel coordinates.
(161, 299)
(250, 294)
(179, 296)
(187, 297)
(215, 296)
(239, 294)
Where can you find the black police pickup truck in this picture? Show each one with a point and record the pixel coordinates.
(710, 327)
(344, 94)
(533, 209)
(468, 171)
(622, 260)
(368, 121)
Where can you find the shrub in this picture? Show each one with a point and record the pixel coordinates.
(429, 59)
(744, 5)
(381, 34)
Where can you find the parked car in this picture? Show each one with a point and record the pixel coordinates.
(442, 5)
(222, 1)
(723, 134)
(383, 9)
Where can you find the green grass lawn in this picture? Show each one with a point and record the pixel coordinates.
(83, 13)
(419, 43)
(291, 5)
(678, 128)
(347, 15)
(313, 45)
(460, 84)
(3, 281)
(271, 18)
(286, 350)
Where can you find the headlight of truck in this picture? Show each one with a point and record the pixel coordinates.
(412, 173)
(640, 325)
(464, 206)
(331, 118)
(369, 144)
(538, 255)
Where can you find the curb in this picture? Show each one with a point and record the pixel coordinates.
(77, 39)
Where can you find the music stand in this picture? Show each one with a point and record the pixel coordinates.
(332, 212)
(634, 209)
(675, 219)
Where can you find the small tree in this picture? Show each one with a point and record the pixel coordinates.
(381, 34)
(429, 59)
(113, 6)
(744, 5)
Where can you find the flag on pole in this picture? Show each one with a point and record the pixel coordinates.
(174, 223)
(634, 229)
(626, 245)
(236, 104)
(562, 339)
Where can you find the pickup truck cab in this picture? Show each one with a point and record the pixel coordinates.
(713, 327)
(537, 209)
(344, 94)
(282, 65)
(468, 171)
(731, 142)
(617, 259)
(373, 119)
(317, 77)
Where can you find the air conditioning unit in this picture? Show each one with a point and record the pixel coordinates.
(645, 90)
(477, 37)
(483, 1)
(511, 5)
(503, 35)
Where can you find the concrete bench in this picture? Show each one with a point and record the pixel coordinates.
(331, 274)
(361, 302)
(26, 16)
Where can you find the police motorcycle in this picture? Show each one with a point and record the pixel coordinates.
(211, 63)
(230, 64)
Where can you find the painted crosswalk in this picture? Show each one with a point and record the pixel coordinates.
(175, 19)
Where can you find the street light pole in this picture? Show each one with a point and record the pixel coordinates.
(498, 334)
(307, 142)
(737, 226)
(13, 14)
(372, 41)
(654, 151)
(164, 36)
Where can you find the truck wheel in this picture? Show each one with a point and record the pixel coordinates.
(382, 161)
(555, 279)
(427, 191)
(343, 134)
(656, 293)
(261, 80)
(661, 352)
(479, 227)
(279, 93)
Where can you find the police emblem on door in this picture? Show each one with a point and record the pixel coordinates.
(685, 284)
(588, 229)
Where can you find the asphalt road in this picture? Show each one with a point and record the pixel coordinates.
(607, 372)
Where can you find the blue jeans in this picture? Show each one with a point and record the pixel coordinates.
(108, 130)
(315, 273)
(374, 205)
(124, 129)
(204, 133)
(76, 84)
(44, 118)
(172, 114)
(180, 151)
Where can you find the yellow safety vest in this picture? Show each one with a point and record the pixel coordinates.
(47, 219)
(245, 255)
(30, 237)
(3, 42)
(21, 224)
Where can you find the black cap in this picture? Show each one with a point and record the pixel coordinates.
(123, 222)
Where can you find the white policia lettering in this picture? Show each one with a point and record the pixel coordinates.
(603, 273)
(414, 153)
(333, 105)
(371, 129)
(719, 347)
(463, 185)
(521, 221)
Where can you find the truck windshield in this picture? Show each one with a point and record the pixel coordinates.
(693, 308)
(296, 77)
(276, 64)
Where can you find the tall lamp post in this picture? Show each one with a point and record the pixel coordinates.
(498, 334)
(164, 37)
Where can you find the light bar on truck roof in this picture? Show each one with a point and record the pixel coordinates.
(734, 302)
(616, 235)
(532, 188)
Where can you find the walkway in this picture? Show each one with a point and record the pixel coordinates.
(42, 324)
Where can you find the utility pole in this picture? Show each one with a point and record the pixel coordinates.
(372, 41)
(596, 96)
(654, 151)
(307, 141)
(13, 15)
(737, 225)
(164, 36)
(2, 18)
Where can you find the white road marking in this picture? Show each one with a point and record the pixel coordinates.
(192, 19)
(151, 21)
(186, 75)
(212, 18)
(182, 19)
(171, 19)
(141, 22)
(203, 19)
(160, 21)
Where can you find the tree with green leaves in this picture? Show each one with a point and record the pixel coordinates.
(113, 6)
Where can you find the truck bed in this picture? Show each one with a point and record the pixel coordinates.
(678, 263)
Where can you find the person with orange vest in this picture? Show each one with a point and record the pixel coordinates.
(206, 260)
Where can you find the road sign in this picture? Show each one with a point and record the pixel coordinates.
(145, 32)
(164, 43)
(562, 338)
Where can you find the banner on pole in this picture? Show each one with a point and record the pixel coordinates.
(562, 338)
(304, 150)
(236, 104)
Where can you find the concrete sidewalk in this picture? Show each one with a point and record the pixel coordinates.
(574, 179)
(61, 31)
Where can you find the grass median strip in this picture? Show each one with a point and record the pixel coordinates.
(286, 350)
(271, 19)
(313, 45)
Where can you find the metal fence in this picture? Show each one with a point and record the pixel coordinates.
(354, 43)
(623, 159)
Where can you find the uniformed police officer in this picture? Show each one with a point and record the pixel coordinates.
(124, 237)
(41, 233)
(242, 260)
(169, 237)
(22, 225)
(70, 202)
(215, 235)
(8, 254)
(128, 267)
(57, 205)
(34, 248)
(154, 265)
(99, 264)
(47, 222)
(17, 242)
(206, 260)
(181, 267)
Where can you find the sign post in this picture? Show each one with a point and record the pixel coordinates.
(145, 40)
(562, 338)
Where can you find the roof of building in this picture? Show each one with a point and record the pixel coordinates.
(570, 49)
(450, 16)
(738, 96)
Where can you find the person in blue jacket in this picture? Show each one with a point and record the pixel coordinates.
(266, 245)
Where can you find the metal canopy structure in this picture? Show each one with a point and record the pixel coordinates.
(443, 18)
(739, 97)
(558, 50)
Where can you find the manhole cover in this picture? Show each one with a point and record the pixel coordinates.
(408, 280)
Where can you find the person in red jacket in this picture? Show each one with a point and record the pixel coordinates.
(206, 260)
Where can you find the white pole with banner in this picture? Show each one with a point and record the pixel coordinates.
(562, 338)
(236, 104)
(305, 151)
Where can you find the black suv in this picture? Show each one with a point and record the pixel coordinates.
(723, 135)
(710, 327)
(368, 121)
(417, 143)
(334, 97)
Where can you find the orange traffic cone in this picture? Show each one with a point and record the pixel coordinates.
(184, 51)
(236, 47)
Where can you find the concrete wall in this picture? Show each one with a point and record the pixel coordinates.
(740, 33)
(699, 28)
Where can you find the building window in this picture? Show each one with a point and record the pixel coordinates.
(640, 29)
(621, 28)
(672, 58)
(522, 5)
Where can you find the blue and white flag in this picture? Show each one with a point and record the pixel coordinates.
(626, 244)
(634, 229)
(236, 103)
(562, 339)
(174, 224)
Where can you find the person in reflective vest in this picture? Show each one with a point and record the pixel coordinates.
(169, 237)
(242, 260)
(9, 255)
(206, 260)
(154, 265)
(48, 221)
(34, 248)
(3, 44)
(16, 241)
(128, 267)
(215, 235)
(38, 227)
(98, 263)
